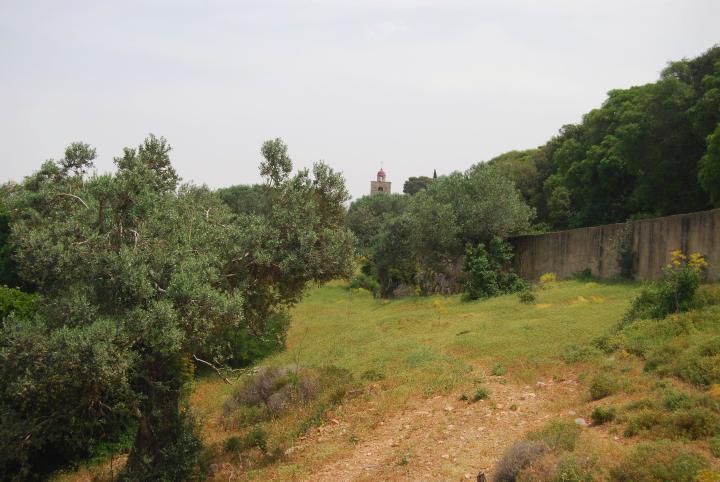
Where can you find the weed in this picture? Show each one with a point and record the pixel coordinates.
(234, 444)
(548, 278)
(514, 407)
(526, 296)
(603, 415)
(480, 394)
(518, 457)
(557, 436)
(498, 370)
(661, 461)
(602, 385)
(575, 353)
(372, 375)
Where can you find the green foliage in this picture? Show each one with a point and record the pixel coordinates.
(601, 415)
(363, 281)
(243, 199)
(368, 216)
(709, 167)
(12, 301)
(603, 385)
(137, 275)
(527, 296)
(480, 394)
(557, 436)
(673, 293)
(416, 184)
(660, 461)
(579, 353)
(488, 270)
(498, 370)
(607, 168)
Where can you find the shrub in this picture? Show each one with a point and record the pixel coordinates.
(480, 394)
(674, 292)
(548, 278)
(575, 353)
(527, 296)
(602, 385)
(557, 436)
(489, 271)
(277, 389)
(498, 370)
(518, 457)
(366, 282)
(583, 275)
(603, 415)
(660, 461)
(14, 301)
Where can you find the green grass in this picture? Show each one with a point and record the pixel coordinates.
(426, 345)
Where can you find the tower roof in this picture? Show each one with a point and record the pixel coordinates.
(381, 173)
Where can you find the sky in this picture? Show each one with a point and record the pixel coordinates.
(412, 85)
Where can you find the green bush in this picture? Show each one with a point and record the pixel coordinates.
(557, 436)
(602, 385)
(526, 296)
(480, 394)
(498, 370)
(675, 292)
(22, 305)
(603, 415)
(489, 271)
(575, 353)
(366, 282)
(660, 461)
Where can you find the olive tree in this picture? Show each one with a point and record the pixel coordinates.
(137, 277)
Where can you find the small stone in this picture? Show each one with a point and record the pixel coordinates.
(449, 408)
(571, 412)
(541, 384)
(581, 421)
(445, 456)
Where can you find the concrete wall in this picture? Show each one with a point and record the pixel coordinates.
(567, 252)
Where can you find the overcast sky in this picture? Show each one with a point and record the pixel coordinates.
(418, 85)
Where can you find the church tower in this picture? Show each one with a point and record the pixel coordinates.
(381, 185)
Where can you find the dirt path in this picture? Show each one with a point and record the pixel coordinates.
(443, 438)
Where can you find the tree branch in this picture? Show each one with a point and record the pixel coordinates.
(217, 370)
(72, 196)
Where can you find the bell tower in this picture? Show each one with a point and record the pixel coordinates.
(380, 185)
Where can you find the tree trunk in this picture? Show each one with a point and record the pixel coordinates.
(164, 444)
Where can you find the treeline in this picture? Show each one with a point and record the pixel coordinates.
(651, 150)
(138, 281)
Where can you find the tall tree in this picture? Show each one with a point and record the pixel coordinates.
(136, 278)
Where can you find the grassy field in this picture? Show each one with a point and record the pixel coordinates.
(411, 349)
(418, 364)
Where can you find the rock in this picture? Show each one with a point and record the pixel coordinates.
(581, 421)
(541, 385)
(449, 408)
(571, 413)
(445, 456)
